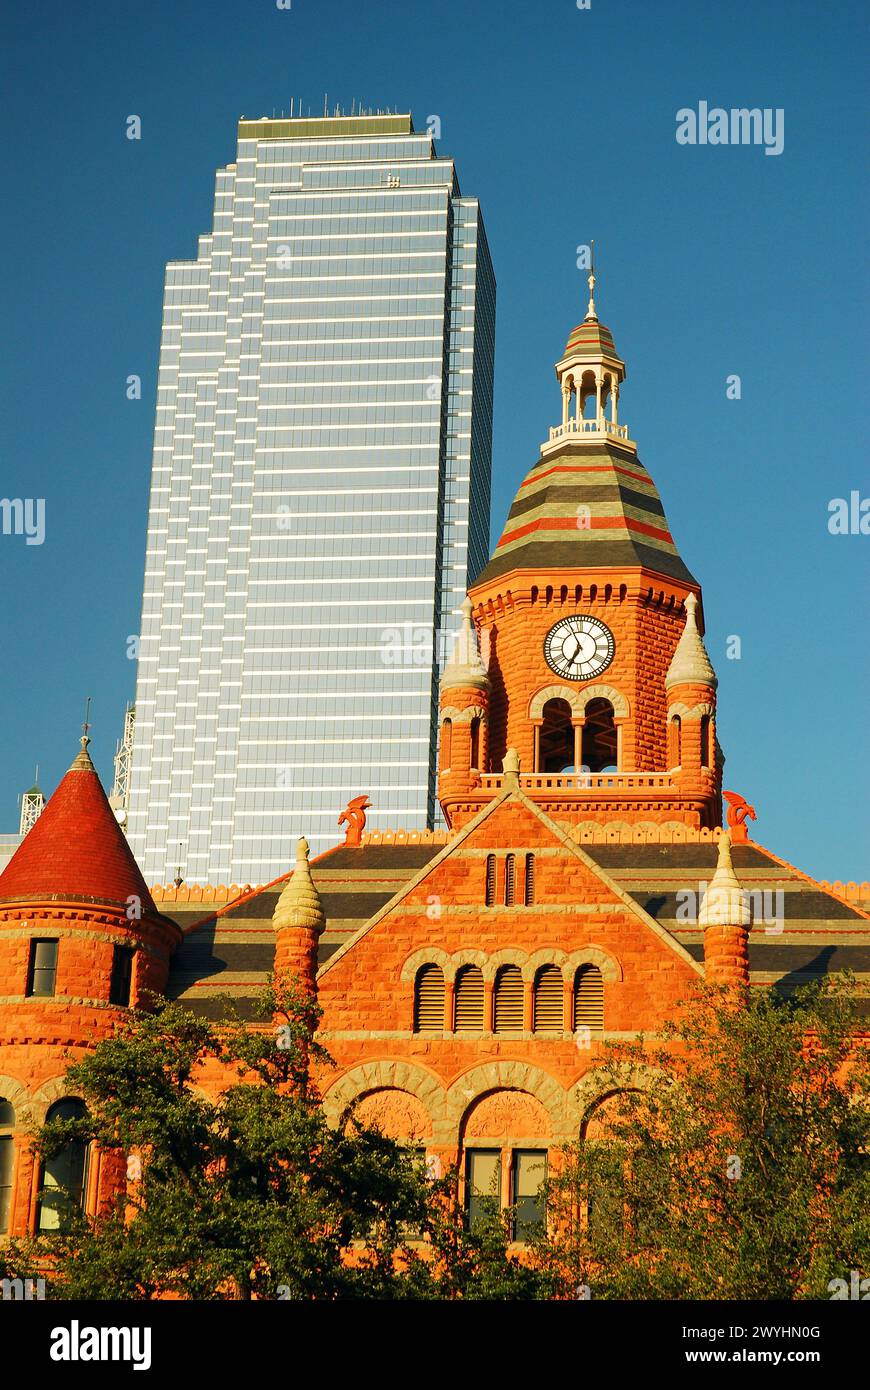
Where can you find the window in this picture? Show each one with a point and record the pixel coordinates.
(122, 976)
(530, 880)
(429, 1000)
(510, 879)
(588, 998)
(548, 999)
(64, 1175)
(475, 742)
(490, 880)
(507, 1002)
(556, 738)
(706, 760)
(675, 751)
(482, 1183)
(42, 969)
(446, 744)
(599, 737)
(468, 1000)
(7, 1158)
(528, 1174)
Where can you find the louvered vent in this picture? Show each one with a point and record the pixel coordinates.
(429, 1000)
(548, 1001)
(508, 1000)
(490, 880)
(468, 1000)
(530, 879)
(510, 879)
(588, 998)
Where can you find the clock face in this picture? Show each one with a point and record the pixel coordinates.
(579, 648)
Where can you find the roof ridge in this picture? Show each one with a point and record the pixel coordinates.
(808, 878)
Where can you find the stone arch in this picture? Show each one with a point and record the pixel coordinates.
(508, 955)
(57, 1089)
(462, 716)
(621, 708)
(506, 1114)
(399, 1114)
(469, 956)
(600, 1083)
(427, 955)
(385, 1075)
(543, 957)
(570, 695)
(506, 1076)
(19, 1098)
(592, 955)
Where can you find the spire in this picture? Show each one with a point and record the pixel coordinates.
(724, 903)
(691, 664)
(299, 904)
(591, 315)
(76, 849)
(82, 761)
(465, 667)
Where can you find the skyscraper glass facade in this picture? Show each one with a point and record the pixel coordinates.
(319, 497)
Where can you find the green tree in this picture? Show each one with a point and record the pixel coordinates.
(252, 1193)
(734, 1164)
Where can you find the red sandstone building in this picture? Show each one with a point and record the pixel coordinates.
(468, 978)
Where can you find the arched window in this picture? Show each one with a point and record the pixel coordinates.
(429, 1000)
(599, 737)
(64, 1176)
(510, 879)
(547, 1010)
(446, 744)
(706, 760)
(530, 880)
(675, 736)
(7, 1158)
(468, 1000)
(475, 742)
(588, 998)
(490, 880)
(507, 1000)
(556, 738)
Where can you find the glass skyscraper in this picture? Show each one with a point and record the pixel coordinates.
(319, 497)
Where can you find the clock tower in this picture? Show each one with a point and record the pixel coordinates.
(587, 630)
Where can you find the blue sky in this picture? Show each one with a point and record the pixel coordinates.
(712, 261)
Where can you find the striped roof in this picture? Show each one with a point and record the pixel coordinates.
(589, 505)
(798, 930)
(231, 952)
(591, 338)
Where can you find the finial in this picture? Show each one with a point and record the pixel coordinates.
(84, 740)
(690, 664)
(724, 903)
(466, 666)
(511, 768)
(590, 312)
(299, 904)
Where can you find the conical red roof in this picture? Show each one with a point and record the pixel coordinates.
(76, 849)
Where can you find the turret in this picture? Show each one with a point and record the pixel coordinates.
(464, 715)
(724, 919)
(298, 921)
(690, 685)
(78, 926)
(81, 941)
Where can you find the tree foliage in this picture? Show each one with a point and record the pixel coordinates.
(734, 1164)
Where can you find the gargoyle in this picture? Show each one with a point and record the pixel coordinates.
(354, 817)
(739, 811)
